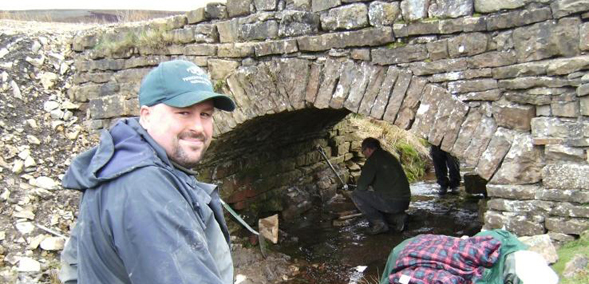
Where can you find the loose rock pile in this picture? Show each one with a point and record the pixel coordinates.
(40, 131)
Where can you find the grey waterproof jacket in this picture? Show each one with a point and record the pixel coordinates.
(141, 218)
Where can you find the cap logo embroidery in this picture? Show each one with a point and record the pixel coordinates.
(195, 70)
(199, 78)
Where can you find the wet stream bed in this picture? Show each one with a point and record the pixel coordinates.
(342, 252)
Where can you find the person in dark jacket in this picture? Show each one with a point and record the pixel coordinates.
(382, 189)
(143, 217)
(445, 164)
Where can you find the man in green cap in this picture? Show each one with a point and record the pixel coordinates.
(143, 217)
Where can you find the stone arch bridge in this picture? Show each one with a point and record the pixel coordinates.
(503, 87)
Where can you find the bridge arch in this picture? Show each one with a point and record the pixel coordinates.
(477, 84)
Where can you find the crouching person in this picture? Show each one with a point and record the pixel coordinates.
(389, 196)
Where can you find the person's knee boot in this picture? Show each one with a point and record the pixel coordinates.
(397, 221)
(400, 221)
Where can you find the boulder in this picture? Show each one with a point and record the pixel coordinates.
(566, 176)
(542, 245)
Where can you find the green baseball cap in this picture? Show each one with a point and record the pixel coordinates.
(180, 83)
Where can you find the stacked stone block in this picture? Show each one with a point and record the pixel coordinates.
(501, 84)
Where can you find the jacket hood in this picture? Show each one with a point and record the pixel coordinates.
(122, 149)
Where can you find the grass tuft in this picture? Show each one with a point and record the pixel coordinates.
(567, 252)
(412, 151)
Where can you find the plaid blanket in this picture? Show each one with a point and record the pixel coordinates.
(436, 259)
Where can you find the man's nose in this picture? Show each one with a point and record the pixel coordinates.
(196, 124)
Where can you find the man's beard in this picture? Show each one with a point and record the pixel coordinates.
(182, 158)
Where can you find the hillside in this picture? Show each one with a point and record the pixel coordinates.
(85, 16)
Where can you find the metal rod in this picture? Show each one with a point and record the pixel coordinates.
(329, 163)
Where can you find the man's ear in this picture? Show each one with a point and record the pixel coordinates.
(144, 114)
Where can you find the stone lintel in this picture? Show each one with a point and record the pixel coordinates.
(489, 95)
(461, 75)
(533, 82)
(570, 226)
(405, 54)
(547, 141)
(519, 224)
(439, 66)
(130, 75)
(521, 70)
(563, 8)
(518, 192)
(364, 37)
(467, 86)
(575, 196)
(518, 18)
(201, 49)
(565, 66)
(145, 61)
(566, 176)
(521, 206)
(236, 50)
(275, 47)
(559, 128)
(492, 59)
(110, 106)
(565, 209)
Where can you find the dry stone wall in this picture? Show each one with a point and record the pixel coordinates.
(501, 84)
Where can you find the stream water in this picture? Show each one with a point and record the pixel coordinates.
(328, 251)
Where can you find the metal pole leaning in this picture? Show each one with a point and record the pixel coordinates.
(344, 185)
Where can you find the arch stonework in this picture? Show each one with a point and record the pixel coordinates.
(504, 89)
